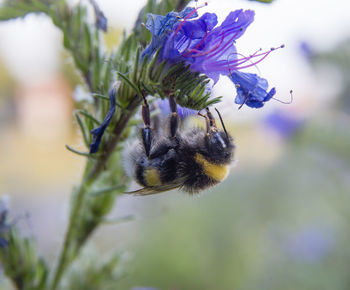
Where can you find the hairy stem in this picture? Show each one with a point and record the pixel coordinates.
(68, 238)
(66, 255)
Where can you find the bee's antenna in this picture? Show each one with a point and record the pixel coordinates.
(222, 122)
(211, 118)
(206, 120)
(289, 102)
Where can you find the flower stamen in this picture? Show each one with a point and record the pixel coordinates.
(286, 103)
(198, 53)
(197, 46)
(227, 43)
(263, 55)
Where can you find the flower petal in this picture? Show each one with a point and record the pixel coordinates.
(98, 132)
(251, 89)
(159, 25)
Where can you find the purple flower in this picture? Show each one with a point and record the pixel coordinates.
(182, 112)
(98, 132)
(160, 25)
(251, 89)
(285, 125)
(101, 20)
(208, 48)
(311, 244)
(306, 50)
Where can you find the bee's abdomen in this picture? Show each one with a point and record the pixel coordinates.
(202, 174)
(148, 176)
(217, 172)
(157, 171)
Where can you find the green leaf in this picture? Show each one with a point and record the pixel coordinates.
(107, 190)
(82, 128)
(89, 116)
(130, 83)
(86, 154)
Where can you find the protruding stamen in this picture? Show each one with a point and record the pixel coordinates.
(228, 42)
(286, 103)
(198, 53)
(263, 55)
(245, 57)
(213, 51)
(197, 46)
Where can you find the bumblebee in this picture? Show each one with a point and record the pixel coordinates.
(166, 158)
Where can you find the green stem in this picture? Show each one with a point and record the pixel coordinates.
(66, 246)
(66, 256)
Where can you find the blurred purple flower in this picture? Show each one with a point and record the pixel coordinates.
(101, 20)
(251, 89)
(285, 125)
(306, 50)
(310, 244)
(165, 109)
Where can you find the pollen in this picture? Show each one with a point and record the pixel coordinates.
(151, 176)
(214, 171)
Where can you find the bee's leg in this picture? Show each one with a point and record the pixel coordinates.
(146, 131)
(174, 119)
(206, 120)
(211, 119)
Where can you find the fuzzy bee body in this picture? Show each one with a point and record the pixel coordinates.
(160, 167)
(192, 160)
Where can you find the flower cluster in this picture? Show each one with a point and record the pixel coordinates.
(209, 49)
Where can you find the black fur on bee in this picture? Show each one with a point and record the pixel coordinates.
(192, 160)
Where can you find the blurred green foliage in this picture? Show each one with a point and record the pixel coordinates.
(284, 227)
(339, 59)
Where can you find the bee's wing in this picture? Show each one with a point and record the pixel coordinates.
(157, 189)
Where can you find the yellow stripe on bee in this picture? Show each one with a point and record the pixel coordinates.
(214, 171)
(151, 177)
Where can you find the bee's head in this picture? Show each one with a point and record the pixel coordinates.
(219, 144)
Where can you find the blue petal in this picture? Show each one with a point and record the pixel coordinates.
(207, 49)
(254, 103)
(182, 111)
(101, 21)
(197, 28)
(159, 25)
(238, 20)
(271, 93)
(284, 124)
(99, 131)
(251, 89)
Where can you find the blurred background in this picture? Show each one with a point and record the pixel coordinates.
(281, 220)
